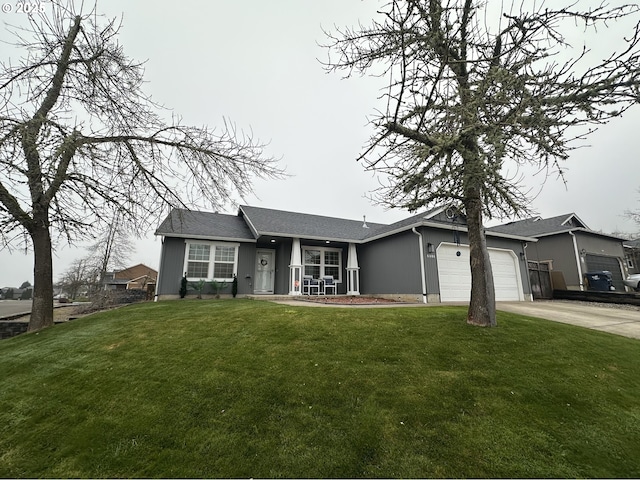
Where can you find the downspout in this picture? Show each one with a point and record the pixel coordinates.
(575, 249)
(422, 272)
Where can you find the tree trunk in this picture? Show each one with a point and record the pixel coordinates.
(42, 307)
(482, 308)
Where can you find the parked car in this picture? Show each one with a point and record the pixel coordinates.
(633, 281)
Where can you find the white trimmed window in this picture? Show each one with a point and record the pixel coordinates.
(318, 262)
(210, 260)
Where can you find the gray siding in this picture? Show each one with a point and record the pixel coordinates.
(560, 249)
(597, 245)
(246, 259)
(390, 266)
(172, 265)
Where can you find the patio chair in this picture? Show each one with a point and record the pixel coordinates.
(308, 284)
(327, 280)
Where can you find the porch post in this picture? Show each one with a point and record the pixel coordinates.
(295, 269)
(353, 271)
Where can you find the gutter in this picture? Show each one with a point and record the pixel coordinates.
(210, 238)
(422, 269)
(445, 226)
(575, 250)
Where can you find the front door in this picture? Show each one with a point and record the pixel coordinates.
(265, 271)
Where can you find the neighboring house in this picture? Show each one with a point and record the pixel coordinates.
(632, 255)
(138, 277)
(17, 293)
(567, 245)
(422, 258)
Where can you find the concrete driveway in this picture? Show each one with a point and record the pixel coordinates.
(617, 319)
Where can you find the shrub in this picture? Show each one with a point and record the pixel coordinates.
(183, 286)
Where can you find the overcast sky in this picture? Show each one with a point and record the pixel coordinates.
(255, 62)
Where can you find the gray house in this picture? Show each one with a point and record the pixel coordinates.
(565, 244)
(632, 255)
(423, 258)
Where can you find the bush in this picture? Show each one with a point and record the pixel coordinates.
(104, 299)
(183, 287)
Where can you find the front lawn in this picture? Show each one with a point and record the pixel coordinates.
(242, 388)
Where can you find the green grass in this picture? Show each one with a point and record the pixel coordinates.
(241, 388)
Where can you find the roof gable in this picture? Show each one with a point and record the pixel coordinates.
(136, 271)
(574, 222)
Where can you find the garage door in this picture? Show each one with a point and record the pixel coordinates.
(599, 263)
(454, 274)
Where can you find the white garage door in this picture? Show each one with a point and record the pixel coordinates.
(454, 274)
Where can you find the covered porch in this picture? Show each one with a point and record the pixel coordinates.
(319, 268)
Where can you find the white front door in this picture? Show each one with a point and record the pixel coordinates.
(265, 271)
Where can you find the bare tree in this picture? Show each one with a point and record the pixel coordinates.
(634, 214)
(111, 248)
(78, 136)
(79, 274)
(471, 89)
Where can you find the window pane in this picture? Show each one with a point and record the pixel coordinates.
(312, 257)
(225, 254)
(223, 270)
(199, 252)
(333, 271)
(197, 269)
(331, 258)
(312, 270)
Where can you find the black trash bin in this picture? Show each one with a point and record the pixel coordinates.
(600, 281)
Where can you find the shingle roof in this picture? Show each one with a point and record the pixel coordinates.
(537, 226)
(252, 223)
(181, 223)
(541, 227)
(265, 221)
(632, 243)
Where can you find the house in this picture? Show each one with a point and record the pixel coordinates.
(568, 246)
(137, 277)
(423, 258)
(632, 255)
(8, 293)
